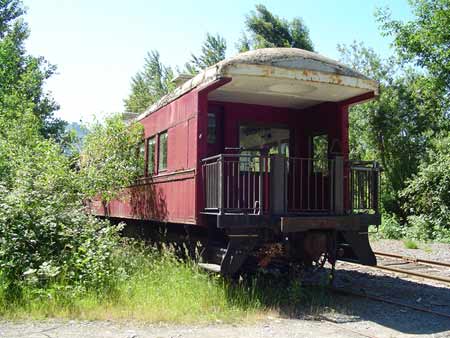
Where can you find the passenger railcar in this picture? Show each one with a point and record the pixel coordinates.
(255, 151)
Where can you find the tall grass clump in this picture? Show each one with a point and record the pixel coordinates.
(155, 285)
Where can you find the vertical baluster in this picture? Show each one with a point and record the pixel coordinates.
(315, 190)
(232, 185)
(254, 187)
(227, 172)
(260, 185)
(238, 183)
(249, 206)
(309, 180)
(301, 183)
(331, 185)
(323, 195)
(293, 182)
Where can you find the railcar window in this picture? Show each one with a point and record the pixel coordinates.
(162, 151)
(320, 153)
(212, 129)
(151, 145)
(141, 158)
(257, 140)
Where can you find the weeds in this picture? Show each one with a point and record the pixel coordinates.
(410, 244)
(156, 286)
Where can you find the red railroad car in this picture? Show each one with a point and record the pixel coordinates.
(254, 151)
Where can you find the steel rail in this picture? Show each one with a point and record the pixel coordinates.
(411, 273)
(343, 328)
(388, 301)
(412, 259)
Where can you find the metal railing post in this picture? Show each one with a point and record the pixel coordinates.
(375, 174)
(339, 185)
(220, 179)
(260, 192)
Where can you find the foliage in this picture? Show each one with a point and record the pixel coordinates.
(156, 286)
(425, 39)
(212, 51)
(391, 228)
(110, 158)
(149, 84)
(410, 244)
(45, 236)
(266, 30)
(427, 195)
(398, 127)
(22, 76)
(9, 11)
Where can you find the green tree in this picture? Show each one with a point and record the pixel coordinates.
(266, 30)
(425, 40)
(22, 76)
(213, 50)
(398, 127)
(47, 240)
(427, 195)
(149, 84)
(110, 158)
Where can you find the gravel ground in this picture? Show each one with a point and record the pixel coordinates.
(433, 251)
(345, 317)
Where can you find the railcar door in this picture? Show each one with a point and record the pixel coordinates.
(215, 130)
(264, 150)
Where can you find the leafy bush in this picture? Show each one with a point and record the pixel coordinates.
(45, 235)
(410, 244)
(390, 227)
(110, 158)
(427, 195)
(155, 285)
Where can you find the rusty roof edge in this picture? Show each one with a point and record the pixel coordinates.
(282, 62)
(236, 69)
(205, 77)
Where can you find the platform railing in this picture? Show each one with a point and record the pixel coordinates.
(311, 185)
(254, 184)
(235, 183)
(364, 186)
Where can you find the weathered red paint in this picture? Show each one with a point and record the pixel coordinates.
(176, 194)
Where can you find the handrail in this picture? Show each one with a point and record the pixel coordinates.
(255, 183)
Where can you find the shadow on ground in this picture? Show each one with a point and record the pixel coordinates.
(296, 301)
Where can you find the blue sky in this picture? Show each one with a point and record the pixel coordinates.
(98, 45)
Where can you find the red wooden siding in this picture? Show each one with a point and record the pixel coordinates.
(170, 194)
(176, 194)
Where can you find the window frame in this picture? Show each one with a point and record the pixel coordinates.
(160, 157)
(151, 141)
(141, 155)
(212, 129)
(319, 164)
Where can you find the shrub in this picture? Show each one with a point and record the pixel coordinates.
(111, 158)
(428, 195)
(46, 238)
(390, 227)
(410, 244)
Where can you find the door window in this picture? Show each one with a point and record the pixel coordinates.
(151, 147)
(162, 151)
(319, 149)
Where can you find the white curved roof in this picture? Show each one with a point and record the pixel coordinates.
(284, 77)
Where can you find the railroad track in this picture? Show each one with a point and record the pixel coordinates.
(428, 269)
(387, 301)
(411, 266)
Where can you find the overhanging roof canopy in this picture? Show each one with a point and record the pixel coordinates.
(283, 77)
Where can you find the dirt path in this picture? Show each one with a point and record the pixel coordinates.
(355, 318)
(345, 317)
(270, 328)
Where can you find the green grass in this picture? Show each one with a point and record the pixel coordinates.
(158, 287)
(410, 244)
